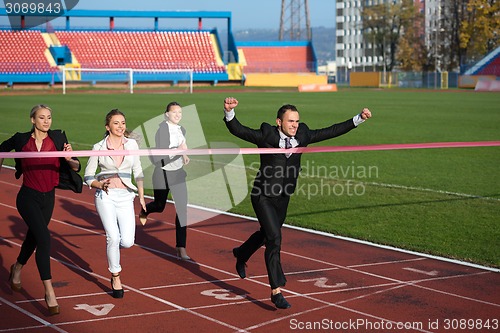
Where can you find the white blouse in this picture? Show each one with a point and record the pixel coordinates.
(176, 139)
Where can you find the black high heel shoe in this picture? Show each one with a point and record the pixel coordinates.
(14, 286)
(117, 293)
(143, 217)
(53, 310)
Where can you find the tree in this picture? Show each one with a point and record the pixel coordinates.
(470, 31)
(479, 30)
(411, 52)
(384, 25)
(464, 32)
(377, 29)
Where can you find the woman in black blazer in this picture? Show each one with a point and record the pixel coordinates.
(35, 200)
(169, 175)
(275, 182)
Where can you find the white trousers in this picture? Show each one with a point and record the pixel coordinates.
(116, 210)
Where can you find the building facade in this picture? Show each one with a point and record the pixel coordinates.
(354, 53)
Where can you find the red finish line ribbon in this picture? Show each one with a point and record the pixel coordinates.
(247, 151)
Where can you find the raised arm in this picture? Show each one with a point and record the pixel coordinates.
(235, 127)
(365, 114)
(230, 103)
(340, 128)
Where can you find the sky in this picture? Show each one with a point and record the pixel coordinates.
(246, 14)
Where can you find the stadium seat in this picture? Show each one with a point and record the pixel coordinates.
(142, 50)
(269, 59)
(23, 52)
(492, 68)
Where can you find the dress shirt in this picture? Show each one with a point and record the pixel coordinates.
(293, 141)
(41, 174)
(176, 139)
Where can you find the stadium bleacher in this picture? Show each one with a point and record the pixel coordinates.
(278, 59)
(489, 65)
(23, 52)
(492, 68)
(143, 50)
(43, 54)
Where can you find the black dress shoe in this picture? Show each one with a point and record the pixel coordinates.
(240, 264)
(117, 293)
(280, 301)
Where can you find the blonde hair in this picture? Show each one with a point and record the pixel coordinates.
(35, 109)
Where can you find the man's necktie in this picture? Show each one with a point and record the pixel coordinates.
(288, 145)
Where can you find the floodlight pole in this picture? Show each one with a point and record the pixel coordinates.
(294, 12)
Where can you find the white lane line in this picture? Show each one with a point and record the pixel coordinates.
(258, 282)
(138, 291)
(349, 239)
(31, 315)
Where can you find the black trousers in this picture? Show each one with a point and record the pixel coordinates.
(163, 183)
(271, 213)
(36, 210)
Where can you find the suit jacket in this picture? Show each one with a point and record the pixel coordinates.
(162, 141)
(278, 174)
(131, 164)
(68, 178)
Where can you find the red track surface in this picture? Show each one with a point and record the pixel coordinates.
(337, 285)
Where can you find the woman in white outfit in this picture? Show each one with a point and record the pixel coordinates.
(114, 198)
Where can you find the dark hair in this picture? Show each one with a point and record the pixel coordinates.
(35, 109)
(169, 106)
(114, 112)
(285, 108)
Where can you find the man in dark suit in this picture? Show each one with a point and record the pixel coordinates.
(275, 182)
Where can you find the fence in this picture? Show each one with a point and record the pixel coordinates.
(427, 80)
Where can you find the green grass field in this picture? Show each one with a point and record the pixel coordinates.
(440, 201)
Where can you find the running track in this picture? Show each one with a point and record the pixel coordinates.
(334, 284)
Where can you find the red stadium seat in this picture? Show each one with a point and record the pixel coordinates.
(277, 59)
(492, 68)
(143, 50)
(23, 52)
